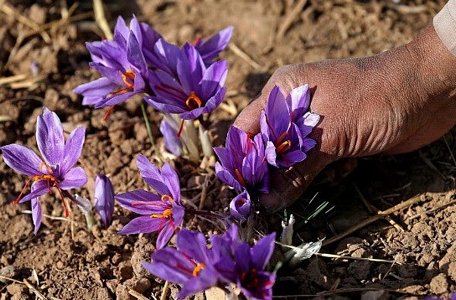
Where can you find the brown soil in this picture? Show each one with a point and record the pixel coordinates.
(66, 261)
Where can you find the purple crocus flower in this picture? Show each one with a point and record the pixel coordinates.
(285, 126)
(196, 90)
(172, 142)
(240, 206)
(242, 162)
(162, 212)
(191, 265)
(247, 268)
(56, 169)
(211, 47)
(122, 64)
(104, 199)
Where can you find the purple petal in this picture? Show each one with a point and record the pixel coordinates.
(226, 177)
(73, 148)
(262, 251)
(193, 244)
(290, 158)
(142, 225)
(114, 100)
(277, 114)
(158, 104)
(298, 101)
(141, 202)
(121, 31)
(271, 155)
(203, 281)
(240, 206)
(171, 180)
(172, 142)
(165, 235)
(214, 78)
(98, 87)
(190, 68)
(308, 144)
(165, 56)
(74, 178)
(135, 55)
(151, 175)
(170, 265)
(211, 47)
(49, 137)
(38, 189)
(22, 159)
(104, 199)
(36, 214)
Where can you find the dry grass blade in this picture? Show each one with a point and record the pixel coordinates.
(449, 150)
(136, 294)
(342, 291)
(380, 215)
(29, 212)
(239, 52)
(164, 294)
(11, 79)
(329, 255)
(37, 293)
(11, 11)
(100, 18)
(433, 210)
(294, 13)
(373, 209)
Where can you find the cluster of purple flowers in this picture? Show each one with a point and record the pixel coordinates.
(179, 80)
(244, 161)
(196, 266)
(187, 82)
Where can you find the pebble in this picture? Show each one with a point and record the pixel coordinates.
(439, 284)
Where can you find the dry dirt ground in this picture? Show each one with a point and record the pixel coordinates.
(42, 46)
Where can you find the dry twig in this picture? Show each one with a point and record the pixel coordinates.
(239, 52)
(100, 18)
(291, 16)
(380, 215)
(373, 209)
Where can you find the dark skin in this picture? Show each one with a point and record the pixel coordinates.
(393, 102)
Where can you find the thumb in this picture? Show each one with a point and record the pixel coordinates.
(249, 118)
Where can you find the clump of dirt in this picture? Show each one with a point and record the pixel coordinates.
(43, 56)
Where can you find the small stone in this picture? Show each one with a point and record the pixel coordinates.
(59, 265)
(15, 288)
(375, 295)
(122, 293)
(452, 270)
(8, 271)
(142, 285)
(439, 284)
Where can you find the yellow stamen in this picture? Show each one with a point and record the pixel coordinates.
(193, 101)
(167, 198)
(198, 269)
(284, 146)
(166, 214)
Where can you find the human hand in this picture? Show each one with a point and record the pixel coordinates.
(394, 102)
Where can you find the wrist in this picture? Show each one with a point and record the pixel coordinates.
(434, 64)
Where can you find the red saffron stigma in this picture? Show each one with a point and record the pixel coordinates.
(181, 128)
(108, 113)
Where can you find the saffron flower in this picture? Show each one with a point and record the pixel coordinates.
(247, 268)
(211, 47)
(104, 199)
(285, 126)
(190, 265)
(243, 163)
(196, 90)
(172, 142)
(197, 266)
(55, 170)
(160, 212)
(122, 64)
(240, 206)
